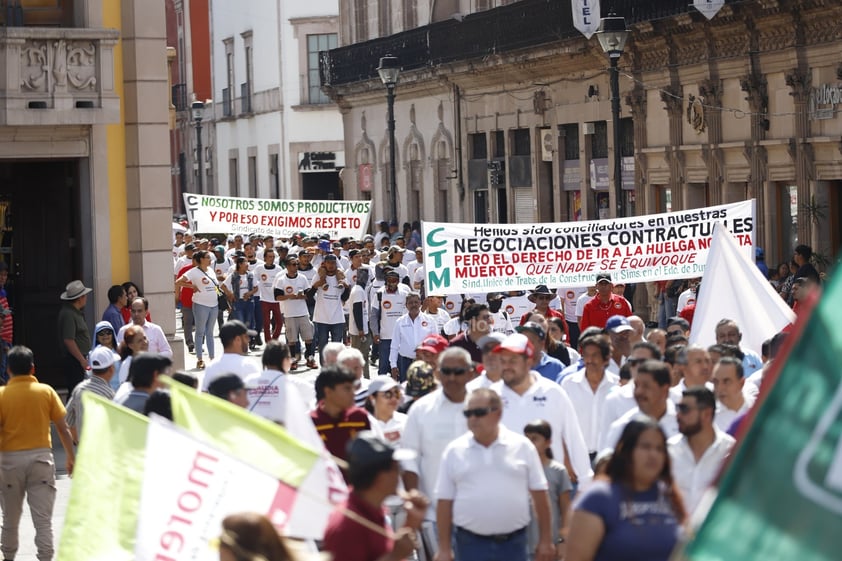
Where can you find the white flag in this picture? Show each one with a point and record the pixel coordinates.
(586, 16)
(709, 8)
(734, 288)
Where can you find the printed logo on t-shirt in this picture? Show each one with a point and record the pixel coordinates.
(570, 295)
(618, 305)
(423, 324)
(448, 305)
(264, 276)
(326, 287)
(288, 290)
(205, 280)
(387, 305)
(510, 309)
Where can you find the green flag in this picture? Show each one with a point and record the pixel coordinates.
(781, 497)
(250, 438)
(101, 518)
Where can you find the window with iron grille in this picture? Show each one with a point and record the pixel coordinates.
(521, 143)
(570, 133)
(479, 148)
(626, 137)
(599, 140)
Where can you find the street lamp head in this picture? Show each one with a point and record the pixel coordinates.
(389, 70)
(612, 34)
(197, 108)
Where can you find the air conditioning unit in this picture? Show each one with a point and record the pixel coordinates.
(547, 145)
(590, 128)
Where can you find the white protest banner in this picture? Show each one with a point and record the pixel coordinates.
(500, 257)
(586, 16)
(276, 217)
(189, 488)
(709, 8)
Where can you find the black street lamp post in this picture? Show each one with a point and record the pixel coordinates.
(389, 71)
(197, 108)
(612, 36)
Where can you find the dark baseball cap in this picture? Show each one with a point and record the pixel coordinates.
(369, 450)
(235, 328)
(532, 327)
(224, 384)
(329, 257)
(602, 277)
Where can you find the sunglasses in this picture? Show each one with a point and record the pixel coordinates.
(635, 361)
(452, 371)
(478, 412)
(684, 408)
(389, 394)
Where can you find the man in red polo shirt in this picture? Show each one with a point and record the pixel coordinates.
(604, 305)
(336, 418)
(373, 473)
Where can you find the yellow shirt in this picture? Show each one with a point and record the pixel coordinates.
(26, 409)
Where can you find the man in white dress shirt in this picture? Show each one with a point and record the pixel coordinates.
(588, 389)
(698, 452)
(157, 340)
(528, 396)
(432, 423)
(474, 523)
(728, 384)
(621, 399)
(410, 329)
(651, 392)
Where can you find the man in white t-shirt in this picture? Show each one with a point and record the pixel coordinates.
(291, 291)
(569, 298)
(270, 309)
(358, 313)
(387, 305)
(330, 291)
(516, 304)
(235, 337)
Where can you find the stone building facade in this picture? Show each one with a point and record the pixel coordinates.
(503, 113)
(85, 190)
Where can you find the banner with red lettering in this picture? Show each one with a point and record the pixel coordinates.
(277, 217)
(482, 258)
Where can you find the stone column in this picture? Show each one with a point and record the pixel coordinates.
(147, 160)
(799, 81)
(755, 86)
(711, 92)
(674, 104)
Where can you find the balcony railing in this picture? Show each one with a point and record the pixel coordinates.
(57, 75)
(528, 23)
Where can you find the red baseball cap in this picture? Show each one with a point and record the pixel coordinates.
(516, 343)
(433, 344)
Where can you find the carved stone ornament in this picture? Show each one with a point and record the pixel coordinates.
(696, 114)
(46, 67)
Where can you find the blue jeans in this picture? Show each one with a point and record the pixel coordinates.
(383, 349)
(666, 309)
(468, 546)
(336, 332)
(204, 318)
(244, 311)
(403, 366)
